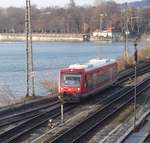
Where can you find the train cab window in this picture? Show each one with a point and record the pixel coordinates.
(71, 79)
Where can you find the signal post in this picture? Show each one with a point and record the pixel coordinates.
(135, 92)
(61, 107)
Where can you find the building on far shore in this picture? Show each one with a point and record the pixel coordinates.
(107, 34)
(103, 33)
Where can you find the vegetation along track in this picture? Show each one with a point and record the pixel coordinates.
(141, 69)
(78, 133)
(14, 133)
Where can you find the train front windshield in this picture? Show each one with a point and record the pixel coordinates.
(71, 79)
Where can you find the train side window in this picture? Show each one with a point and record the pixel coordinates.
(86, 82)
(89, 80)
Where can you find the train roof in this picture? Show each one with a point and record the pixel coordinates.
(92, 64)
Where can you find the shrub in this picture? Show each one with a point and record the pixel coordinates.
(7, 97)
(51, 86)
(143, 54)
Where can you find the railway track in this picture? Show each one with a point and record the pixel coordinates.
(10, 135)
(79, 133)
(14, 111)
(26, 114)
(18, 108)
(34, 118)
(41, 118)
(132, 68)
(141, 131)
(147, 139)
(29, 118)
(141, 69)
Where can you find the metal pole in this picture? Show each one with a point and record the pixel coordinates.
(100, 30)
(126, 32)
(62, 112)
(99, 55)
(126, 51)
(60, 97)
(135, 97)
(29, 52)
(135, 92)
(27, 47)
(100, 22)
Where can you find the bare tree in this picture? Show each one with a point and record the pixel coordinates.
(71, 19)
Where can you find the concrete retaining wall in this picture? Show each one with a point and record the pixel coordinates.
(41, 37)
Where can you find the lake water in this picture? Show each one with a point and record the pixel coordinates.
(49, 58)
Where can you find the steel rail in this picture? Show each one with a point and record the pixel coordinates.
(26, 114)
(131, 69)
(77, 133)
(147, 138)
(102, 101)
(81, 138)
(15, 110)
(142, 70)
(25, 105)
(107, 99)
(29, 118)
(14, 133)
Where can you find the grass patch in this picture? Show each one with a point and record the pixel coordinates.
(143, 54)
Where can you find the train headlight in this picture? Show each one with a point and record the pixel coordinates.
(78, 89)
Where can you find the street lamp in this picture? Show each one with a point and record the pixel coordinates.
(126, 33)
(100, 29)
(101, 21)
(125, 48)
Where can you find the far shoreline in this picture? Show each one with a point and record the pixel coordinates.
(59, 37)
(41, 37)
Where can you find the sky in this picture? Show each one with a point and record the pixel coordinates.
(46, 3)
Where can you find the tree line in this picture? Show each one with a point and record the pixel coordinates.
(77, 19)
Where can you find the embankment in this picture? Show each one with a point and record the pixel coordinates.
(40, 37)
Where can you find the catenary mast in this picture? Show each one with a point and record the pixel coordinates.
(29, 53)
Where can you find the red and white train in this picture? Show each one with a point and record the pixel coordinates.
(81, 80)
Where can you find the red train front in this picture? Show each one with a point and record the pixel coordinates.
(80, 80)
(71, 84)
